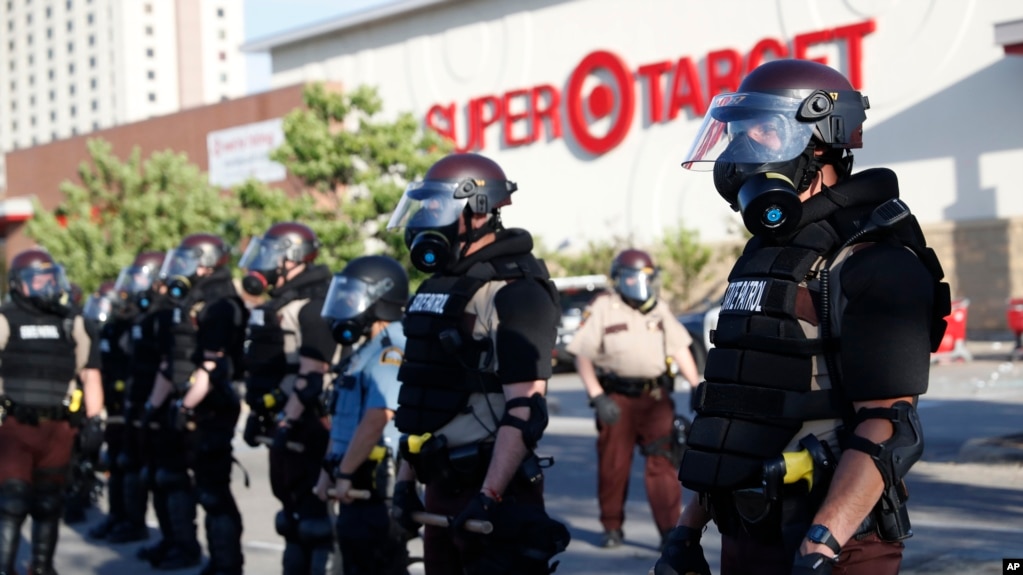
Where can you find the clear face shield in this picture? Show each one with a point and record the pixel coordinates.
(638, 286)
(133, 280)
(749, 128)
(264, 253)
(180, 262)
(98, 307)
(48, 285)
(348, 299)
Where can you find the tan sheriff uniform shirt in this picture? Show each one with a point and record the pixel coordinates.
(626, 342)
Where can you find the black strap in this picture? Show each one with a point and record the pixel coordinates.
(760, 402)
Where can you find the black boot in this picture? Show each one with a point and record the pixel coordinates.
(102, 529)
(15, 501)
(44, 544)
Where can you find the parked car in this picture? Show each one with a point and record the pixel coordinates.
(699, 324)
(576, 293)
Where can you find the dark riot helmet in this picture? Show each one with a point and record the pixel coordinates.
(370, 288)
(181, 266)
(761, 141)
(456, 186)
(635, 278)
(135, 282)
(39, 280)
(264, 258)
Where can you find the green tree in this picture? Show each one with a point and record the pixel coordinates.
(683, 260)
(355, 166)
(122, 207)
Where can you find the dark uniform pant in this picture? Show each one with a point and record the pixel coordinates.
(368, 544)
(33, 467)
(744, 555)
(303, 521)
(645, 421)
(443, 553)
(211, 460)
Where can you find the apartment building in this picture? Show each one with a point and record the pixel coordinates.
(70, 67)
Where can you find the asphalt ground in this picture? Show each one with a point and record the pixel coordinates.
(966, 503)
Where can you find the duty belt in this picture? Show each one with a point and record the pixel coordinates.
(633, 386)
(32, 414)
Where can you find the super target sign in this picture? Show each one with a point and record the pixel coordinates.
(599, 101)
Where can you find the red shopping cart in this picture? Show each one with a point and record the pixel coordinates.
(953, 344)
(1014, 317)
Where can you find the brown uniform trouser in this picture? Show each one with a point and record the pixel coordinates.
(31, 452)
(743, 555)
(644, 420)
(442, 554)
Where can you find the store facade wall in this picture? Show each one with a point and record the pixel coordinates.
(591, 104)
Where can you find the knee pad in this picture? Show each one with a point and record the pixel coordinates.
(533, 428)
(172, 479)
(286, 525)
(315, 530)
(216, 500)
(896, 455)
(15, 497)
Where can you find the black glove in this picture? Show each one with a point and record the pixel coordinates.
(90, 437)
(286, 434)
(404, 503)
(178, 416)
(479, 507)
(147, 415)
(812, 564)
(255, 426)
(608, 411)
(682, 554)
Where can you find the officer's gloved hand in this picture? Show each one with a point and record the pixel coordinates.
(682, 554)
(812, 564)
(479, 507)
(90, 437)
(405, 502)
(253, 429)
(178, 416)
(608, 411)
(147, 415)
(287, 432)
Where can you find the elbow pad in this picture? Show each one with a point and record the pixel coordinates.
(895, 456)
(533, 428)
(310, 394)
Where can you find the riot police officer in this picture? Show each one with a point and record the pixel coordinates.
(365, 304)
(480, 334)
(43, 345)
(114, 342)
(288, 349)
(207, 324)
(137, 300)
(628, 349)
(822, 345)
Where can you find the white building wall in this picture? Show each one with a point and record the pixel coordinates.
(223, 64)
(942, 95)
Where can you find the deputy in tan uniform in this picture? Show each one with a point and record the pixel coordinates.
(628, 351)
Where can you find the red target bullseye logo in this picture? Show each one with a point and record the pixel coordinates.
(600, 101)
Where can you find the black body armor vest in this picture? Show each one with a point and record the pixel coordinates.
(266, 361)
(115, 358)
(774, 365)
(39, 359)
(443, 363)
(146, 350)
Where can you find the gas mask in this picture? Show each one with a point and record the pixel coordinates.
(429, 212)
(256, 282)
(349, 306)
(178, 288)
(432, 249)
(767, 195)
(264, 260)
(350, 331)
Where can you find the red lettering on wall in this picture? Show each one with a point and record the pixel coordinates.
(524, 114)
(762, 48)
(853, 35)
(652, 73)
(685, 90)
(510, 118)
(550, 94)
(724, 71)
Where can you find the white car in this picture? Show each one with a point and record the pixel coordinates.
(576, 293)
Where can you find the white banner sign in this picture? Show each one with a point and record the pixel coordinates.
(243, 152)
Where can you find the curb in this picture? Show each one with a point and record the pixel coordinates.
(1006, 449)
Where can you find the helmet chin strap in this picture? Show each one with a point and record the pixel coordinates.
(473, 235)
